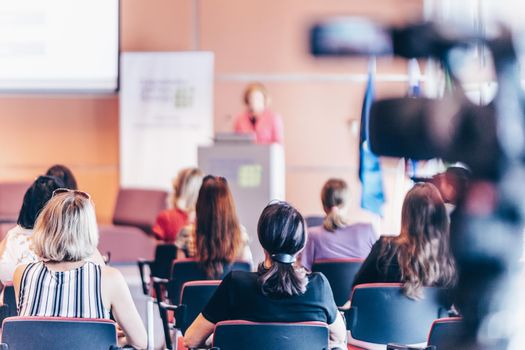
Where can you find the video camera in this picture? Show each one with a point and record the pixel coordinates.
(487, 226)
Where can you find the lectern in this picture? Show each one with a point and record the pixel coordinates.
(255, 174)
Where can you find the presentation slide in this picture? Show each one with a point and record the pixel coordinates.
(59, 45)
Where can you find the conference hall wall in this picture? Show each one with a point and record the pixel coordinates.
(252, 40)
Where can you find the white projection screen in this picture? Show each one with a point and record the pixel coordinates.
(59, 45)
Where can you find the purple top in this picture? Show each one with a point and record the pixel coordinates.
(352, 241)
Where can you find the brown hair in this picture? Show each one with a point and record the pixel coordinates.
(217, 230)
(334, 196)
(422, 248)
(255, 87)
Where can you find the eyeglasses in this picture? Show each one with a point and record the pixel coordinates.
(67, 190)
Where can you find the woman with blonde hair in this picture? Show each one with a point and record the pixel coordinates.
(185, 190)
(420, 256)
(64, 283)
(336, 238)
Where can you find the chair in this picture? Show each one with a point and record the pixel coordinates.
(194, 297)
(444, 335)
(244, 335)
(11, 197)
(36, 333)
(314, 220)
(182, 271)
(380, 314)
(8, 307)
(340, 274)
(444, 332)
(159, 267)
(129, 238)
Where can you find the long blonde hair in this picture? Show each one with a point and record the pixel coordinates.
(186, 188)
(334, 196)
(422, 248)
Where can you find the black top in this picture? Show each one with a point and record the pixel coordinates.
(239, 297)
(374, 270)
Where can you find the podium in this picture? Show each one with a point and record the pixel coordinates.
(255, 175)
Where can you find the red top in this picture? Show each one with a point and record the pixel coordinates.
(267, 129)
(169, 223)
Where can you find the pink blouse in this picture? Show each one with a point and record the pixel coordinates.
(268, 128)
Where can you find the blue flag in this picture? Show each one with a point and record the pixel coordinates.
(372, 196)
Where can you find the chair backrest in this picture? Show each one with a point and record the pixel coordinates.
(11, 197)
(444, 333)
(382, 314)
(187, 270)
(138, 207)
(314, 220)
(193, 298)
(32, 333)
(340, 274)
(164, 256)
(244, 335)
(10, 299)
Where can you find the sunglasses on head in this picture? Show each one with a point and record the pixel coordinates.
(75, 192)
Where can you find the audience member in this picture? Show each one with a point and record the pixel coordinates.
(280, 291)
(420, 256)
(64, 283)
(64, 174)
(336, 238)
(217, 237)
(15, 248)
(185, 190)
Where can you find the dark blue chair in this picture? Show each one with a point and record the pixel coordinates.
(381, 314)
(445, 333)
(183, 271)
(340, 273)
(57, 333)
(244, 335)
(194, 297)
(314, 220)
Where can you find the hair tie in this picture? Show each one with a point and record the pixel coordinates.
(283, 258)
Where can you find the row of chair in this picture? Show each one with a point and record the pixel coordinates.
(32, 333)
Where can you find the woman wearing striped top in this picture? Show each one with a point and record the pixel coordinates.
(64, 283)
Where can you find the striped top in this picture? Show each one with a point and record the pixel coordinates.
(73, 293)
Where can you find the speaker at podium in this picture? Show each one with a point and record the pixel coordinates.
(255, 174)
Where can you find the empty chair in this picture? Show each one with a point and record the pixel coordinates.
(11, 196)
(182, 271)
(380, 314)
(314, 220)
(138, 207)
(187, 270)
(159, 267)
(244, 335)
(128, 239)
(444, 333)
(193, 298)
(340, 273)
(8, 306)
(36, 333)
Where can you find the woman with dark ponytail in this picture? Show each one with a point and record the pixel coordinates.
(280, 291)
(336, 238)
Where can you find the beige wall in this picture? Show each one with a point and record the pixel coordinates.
(263, 39)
